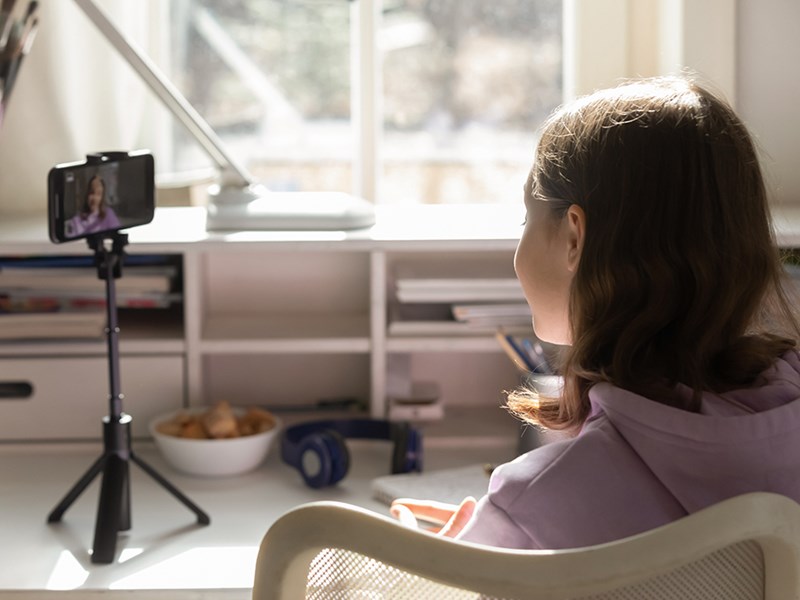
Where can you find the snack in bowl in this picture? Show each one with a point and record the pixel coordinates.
(215, 441)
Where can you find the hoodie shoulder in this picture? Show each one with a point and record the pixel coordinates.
(579, 491)
(728, 449)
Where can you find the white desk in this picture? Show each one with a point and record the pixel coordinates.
(165, 554)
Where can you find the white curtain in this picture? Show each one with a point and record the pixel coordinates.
(75, 95)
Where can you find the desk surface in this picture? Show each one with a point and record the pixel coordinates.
(419, 226)
(165, 554)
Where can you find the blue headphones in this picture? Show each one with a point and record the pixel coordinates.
(317, 449)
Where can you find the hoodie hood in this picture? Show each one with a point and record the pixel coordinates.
(741, 441)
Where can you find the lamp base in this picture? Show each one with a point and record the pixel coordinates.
(256, 208)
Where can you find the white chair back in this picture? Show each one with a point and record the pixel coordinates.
(745, 548)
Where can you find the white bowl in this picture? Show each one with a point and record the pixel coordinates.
(213, 457)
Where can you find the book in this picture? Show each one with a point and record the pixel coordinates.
(468, 282)
(65, 279)
(459, 290)
(474, 269)
(494, 314)
(468, 312)
(443, 485)
(52, 325)
(461, 294)
(438, 328)
(415, 319)
(20, 300)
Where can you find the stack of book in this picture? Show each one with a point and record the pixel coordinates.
(516, 314)
(63, 297)
(478, 300)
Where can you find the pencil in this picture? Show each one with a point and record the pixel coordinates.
(529, 364)
(510, 351)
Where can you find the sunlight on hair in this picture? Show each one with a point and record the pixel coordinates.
(676, 90)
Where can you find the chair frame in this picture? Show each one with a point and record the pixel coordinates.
(773, 521)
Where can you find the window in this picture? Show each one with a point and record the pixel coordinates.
(465, 85)
(461, 86)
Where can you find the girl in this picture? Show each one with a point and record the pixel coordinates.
(95, 215)
(647, 252)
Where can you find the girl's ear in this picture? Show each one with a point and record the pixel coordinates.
(576, 230)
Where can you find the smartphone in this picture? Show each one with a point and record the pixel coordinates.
(107, 192)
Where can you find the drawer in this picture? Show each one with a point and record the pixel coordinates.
(67, 398)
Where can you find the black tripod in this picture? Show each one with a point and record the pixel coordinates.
(114, 510)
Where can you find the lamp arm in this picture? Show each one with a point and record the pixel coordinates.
(233, 173)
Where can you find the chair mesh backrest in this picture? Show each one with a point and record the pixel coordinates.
(337, 574)
(732, 573)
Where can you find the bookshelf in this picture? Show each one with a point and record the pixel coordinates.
(280, 319)
(284, 319)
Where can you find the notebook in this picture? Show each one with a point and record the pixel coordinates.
(446, 485)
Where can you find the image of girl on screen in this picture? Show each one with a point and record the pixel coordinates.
(95, 215)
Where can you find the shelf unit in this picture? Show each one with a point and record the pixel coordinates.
(276, 319)
(282, 319)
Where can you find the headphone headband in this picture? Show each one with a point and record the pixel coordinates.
(364, 429)
(324, 440)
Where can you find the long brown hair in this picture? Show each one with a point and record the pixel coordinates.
(86, 210)
(680, 278)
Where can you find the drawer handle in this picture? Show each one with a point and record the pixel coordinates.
(15, 390)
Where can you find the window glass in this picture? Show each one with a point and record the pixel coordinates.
(272, 78)
(465, 84)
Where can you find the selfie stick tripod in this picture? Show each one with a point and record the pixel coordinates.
(113, 511)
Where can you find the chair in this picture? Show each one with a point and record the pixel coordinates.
(743, 548)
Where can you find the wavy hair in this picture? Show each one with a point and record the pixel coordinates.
(680, 278)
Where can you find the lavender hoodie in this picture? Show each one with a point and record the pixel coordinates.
(638, 464)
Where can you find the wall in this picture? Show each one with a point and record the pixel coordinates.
(745, 50)
(768, 88)
(65, 103)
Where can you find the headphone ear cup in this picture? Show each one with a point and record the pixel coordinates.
(340, 456)
(399, 438)
(406, 455)
(324, 458)
(414, 450)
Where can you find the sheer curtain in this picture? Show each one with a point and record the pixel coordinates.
(74, 95)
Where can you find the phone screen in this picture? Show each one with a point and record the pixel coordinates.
(100, 196)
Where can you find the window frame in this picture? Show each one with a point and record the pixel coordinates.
(604, 42)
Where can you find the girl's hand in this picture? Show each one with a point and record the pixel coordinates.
(443, 519)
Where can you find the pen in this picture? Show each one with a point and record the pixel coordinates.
(536, 354)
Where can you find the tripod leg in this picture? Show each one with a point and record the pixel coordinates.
(202, 517)
(125, 498)
(76, 490)
(110, 509)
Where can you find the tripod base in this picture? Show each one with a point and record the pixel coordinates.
(113, 509)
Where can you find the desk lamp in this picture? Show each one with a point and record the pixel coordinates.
(237, 201)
